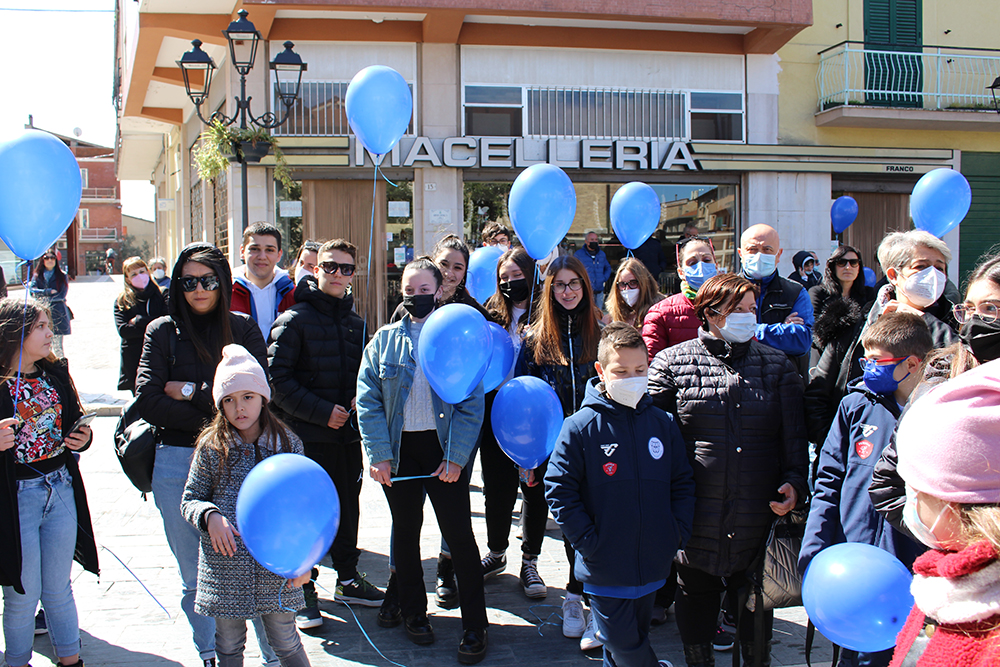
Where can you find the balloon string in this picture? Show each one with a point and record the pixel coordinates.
(446, 455)
(20, 349)
(382, 173)
(629, 254)
(360, 627)
(368, 267)
(548, 619)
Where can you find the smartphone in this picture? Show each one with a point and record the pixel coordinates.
(83, 421)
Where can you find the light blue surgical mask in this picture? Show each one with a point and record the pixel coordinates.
(759, 265)
(739, 327)
(912, 520)
(696, 275)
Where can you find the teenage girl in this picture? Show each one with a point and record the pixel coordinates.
(232, 586)
(635, 291)
(43, 505)
(139, 303)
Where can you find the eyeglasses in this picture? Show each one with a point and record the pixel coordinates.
(987, 312)
(576, 285)
(629, 284)
(869, 365)
(842, 262)
(209, 282)
(44, 257)
(331, 268)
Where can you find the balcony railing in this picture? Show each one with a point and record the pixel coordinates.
(100, 193)
(99, 234)
(923, 77)
(319, 111)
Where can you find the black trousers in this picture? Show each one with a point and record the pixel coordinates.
(624, 625)
(500, 484)
(699, 599)
(420, 454)
(344, 465)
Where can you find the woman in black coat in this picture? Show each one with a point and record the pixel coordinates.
(51, 285)
(140, 302)
(174, 393)
(739, 407)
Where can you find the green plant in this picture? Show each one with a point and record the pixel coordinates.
(219, 142)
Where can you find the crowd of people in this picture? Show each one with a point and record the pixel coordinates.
(691, 422)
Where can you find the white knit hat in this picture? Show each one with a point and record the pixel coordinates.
(239, 371)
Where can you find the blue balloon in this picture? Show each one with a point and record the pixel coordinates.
(527, 417)
(453, 351)
(857, 595)
(635, 213)
(40, 189)
(870, 278)
(542, 205)
(940, 201)
(379, 107)
(481, 278)
(843, 212)
(502, 357)
(287, 513)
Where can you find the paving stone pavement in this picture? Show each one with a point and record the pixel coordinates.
(121, 624)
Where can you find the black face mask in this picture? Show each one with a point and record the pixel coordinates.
(418, 305)
(593, 247)
(516, 290)
(983, 338)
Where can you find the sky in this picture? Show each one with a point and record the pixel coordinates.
(58, 67)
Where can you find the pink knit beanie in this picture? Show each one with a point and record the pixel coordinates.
(239, 371)
(949, 440)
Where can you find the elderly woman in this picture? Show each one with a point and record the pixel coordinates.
(739, 406)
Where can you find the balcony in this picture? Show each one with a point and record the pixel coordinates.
(99, 235)
(907, 88)
(104, 195)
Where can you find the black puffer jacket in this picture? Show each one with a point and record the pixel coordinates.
(131, 324)
(739, 408)
(180, 422)
(314, 353)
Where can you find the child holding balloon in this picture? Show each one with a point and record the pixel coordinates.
(232, 586)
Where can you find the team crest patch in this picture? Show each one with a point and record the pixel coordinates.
(655, 448)
(864, 448)
(610, 469)
(867, 430)
(609, 449)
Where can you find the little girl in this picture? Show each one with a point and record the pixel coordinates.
(232, 586)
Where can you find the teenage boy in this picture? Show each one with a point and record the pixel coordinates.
(841, 509)
(260, 289)
(620, 486)
(496, 234)
(314, 354)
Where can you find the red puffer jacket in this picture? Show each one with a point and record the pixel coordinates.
(669, 322)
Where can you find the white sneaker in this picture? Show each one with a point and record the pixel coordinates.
(591, 639)
(666, 663)
(574, 622)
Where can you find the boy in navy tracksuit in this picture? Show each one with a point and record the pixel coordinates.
(620, 486)
(841, 509)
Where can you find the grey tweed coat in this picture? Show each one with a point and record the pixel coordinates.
(231, 586)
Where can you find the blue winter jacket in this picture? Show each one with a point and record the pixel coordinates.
(384, 382)
(773, 308)
(841, 509)
(620, 486)
(598, 267)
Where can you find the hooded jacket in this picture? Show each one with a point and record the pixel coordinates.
(243, 302)
(798, 259)
(179, 422)
(619, 481)
(313, 357)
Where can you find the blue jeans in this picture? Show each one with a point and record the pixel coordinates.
(47, 513)
(170, 473)
(231, 637)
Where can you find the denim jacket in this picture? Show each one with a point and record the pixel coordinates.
(384, 382)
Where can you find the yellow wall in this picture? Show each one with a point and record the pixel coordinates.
(973, 24)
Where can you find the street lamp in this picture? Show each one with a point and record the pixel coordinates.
(197, 68)
(993, 91)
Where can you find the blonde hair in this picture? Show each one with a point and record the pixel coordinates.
(649, 294)
(980, 522)
(130, 295)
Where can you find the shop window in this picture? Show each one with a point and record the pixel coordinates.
(288, 220)
(83, 215)
(716, 116)
(399, 240)
(487, 122)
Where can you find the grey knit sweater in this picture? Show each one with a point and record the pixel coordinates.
(231, 586)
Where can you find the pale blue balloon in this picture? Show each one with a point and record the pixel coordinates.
(379, 107)
(940, 201)
(527, 417)
(481, 278)
(502, 357)
(542, 205)
(635, 213)
(453, 351)
(40, 189)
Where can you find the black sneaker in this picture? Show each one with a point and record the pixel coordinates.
(492, 565)
(359, 591)
(446, 591)
(723, 640)
(533, 585)
(209, 662)
(309, 616)
(40, 627)
(390, 615)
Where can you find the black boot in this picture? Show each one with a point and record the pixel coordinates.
(748, 652)
(390, 615)
(699, 655)
(447, 592)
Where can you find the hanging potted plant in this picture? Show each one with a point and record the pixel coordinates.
(221, 144)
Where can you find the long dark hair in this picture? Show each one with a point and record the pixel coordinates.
(222, 437)
(58, 274)
(546, 331)
(208, 257)
(958, 356)
(18, 317)
(452, 242)
(500, 307)
(858, 291)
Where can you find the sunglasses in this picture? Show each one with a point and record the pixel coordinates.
(331, 268)
(848, 262)
(44, 257)
(628, 284)
(209, 283)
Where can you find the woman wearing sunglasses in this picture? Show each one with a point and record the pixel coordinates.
(635, 291)
(51, 285)
(174, 391)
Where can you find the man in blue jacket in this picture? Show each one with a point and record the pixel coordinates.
(620, 486)
(597, 265)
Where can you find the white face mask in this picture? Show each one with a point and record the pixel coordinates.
(924, 287)
(159, 274)
(758, 265)
(739, 327)
(630, 296)
(627, 391)
(912, 520)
